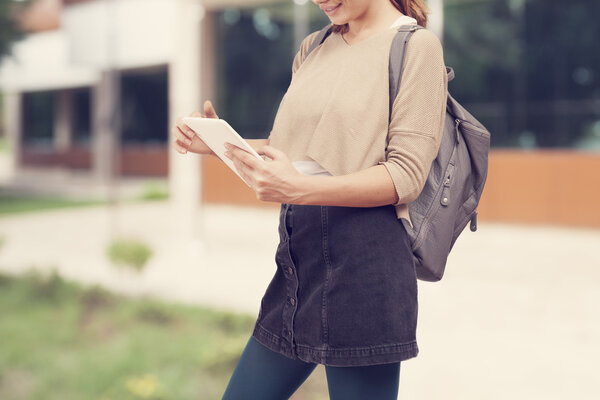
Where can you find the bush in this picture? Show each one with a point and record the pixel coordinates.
(154, 191)
(129, 253)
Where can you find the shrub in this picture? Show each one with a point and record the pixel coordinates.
(154, 191)
(129, 253)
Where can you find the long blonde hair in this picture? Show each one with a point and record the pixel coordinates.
(416, 9)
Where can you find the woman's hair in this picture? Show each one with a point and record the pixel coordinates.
(416, 9)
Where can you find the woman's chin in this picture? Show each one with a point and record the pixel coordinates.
(337, 21)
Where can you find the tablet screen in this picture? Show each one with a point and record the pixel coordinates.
(215, 133)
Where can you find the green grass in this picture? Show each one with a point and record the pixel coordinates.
(13, 203)
(154, 191)
(61, 341)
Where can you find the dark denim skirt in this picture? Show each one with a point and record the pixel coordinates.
(345, 290)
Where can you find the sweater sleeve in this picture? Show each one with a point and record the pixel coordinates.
(418, 114)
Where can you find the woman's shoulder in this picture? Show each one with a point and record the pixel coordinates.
(424, 40)
(303, 51)
(308, 41)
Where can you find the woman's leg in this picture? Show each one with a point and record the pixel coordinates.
(358, 383)
(265, 375)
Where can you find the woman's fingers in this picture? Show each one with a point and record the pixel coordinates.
(210, 110)
(271, 152)
(181, 137)
(179, 148)
(184, 129)
(243, 156)
(242, 168)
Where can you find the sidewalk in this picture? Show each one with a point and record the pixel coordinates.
(515, 317)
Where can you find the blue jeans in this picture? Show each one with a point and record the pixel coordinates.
(266, 375)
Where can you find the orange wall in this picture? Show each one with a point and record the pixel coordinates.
(135, 160)
(144, 160)
(222, 185)
(534, 187)
(551, 187)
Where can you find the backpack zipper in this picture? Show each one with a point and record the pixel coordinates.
(457, 123)
(473, 226)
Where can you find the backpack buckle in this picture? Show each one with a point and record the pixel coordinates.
(408, 28)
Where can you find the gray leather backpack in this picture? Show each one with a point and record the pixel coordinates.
(455, 182)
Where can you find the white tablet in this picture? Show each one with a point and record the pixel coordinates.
(215, 133)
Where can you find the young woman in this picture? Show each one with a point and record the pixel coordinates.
(343, 168)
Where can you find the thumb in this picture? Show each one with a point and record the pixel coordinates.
(209, 110)
(271, 152)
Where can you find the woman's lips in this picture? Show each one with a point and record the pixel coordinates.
(331, 11)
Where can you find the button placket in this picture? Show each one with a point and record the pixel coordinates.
(289, 308)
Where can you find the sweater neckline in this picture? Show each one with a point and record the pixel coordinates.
(402, 20)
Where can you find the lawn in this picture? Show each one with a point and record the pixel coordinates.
(12, 202)
(62, 341)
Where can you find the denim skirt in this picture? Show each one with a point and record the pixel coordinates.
(345, 290)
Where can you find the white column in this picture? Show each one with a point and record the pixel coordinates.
(12, 128)
(301, 21)
(62, 121)
(103, 135)
(184, 97)
(436, 18)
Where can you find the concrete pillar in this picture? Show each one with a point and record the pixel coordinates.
(436, 18)
(103, 127)
(301, 21)
(63, 121)
(185, 97)
(12, 127)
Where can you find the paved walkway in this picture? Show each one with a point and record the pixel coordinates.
(516, 316)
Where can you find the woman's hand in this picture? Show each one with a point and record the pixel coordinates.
(274, 179)
(185, 138)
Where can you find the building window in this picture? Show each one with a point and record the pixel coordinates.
(256, 48)
(81, 116)
(37, 119)
(144, 106)
(526, 69)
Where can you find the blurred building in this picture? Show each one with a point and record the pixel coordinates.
(90, 68)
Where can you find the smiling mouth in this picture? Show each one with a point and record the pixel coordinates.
(331, 10)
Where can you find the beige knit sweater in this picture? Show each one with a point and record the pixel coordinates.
(336, 109)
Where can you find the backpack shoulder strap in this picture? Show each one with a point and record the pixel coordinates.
(320, 38)
(397, 52)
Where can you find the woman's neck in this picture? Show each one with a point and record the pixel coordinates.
(379, 15)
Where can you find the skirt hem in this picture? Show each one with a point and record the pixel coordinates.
(337, 357)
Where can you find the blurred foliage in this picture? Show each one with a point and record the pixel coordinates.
(129, 253)
(154, 191)
(9, 29)
(61, 341)
(12, 202)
